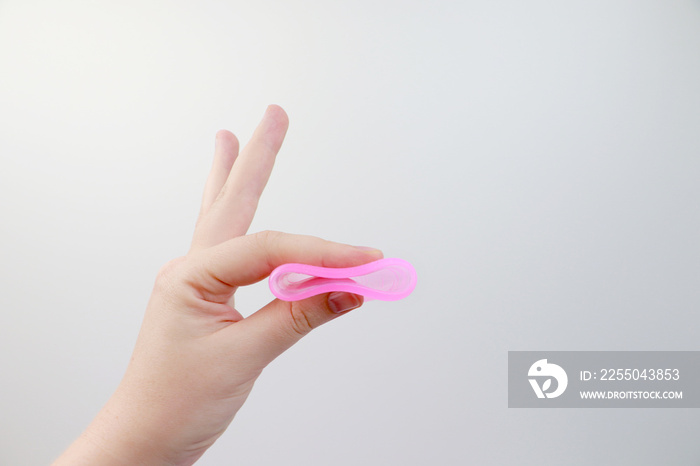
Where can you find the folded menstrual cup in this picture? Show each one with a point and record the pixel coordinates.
(385, 279)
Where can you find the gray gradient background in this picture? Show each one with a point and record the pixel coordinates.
(536, 161)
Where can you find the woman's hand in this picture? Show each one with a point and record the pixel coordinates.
(197, 358)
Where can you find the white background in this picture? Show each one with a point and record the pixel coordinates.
(537, 161)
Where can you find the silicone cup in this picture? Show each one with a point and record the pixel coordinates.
(384, 279)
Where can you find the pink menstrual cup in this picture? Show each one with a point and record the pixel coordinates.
(385, 279)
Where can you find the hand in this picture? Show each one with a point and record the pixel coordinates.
(196, 358)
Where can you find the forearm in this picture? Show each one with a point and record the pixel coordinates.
(115, 438)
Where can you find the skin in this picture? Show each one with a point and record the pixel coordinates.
(196, 358)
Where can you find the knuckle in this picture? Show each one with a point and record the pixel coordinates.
(300, 323)
(168, 272)
(263, 241)
(266, 236)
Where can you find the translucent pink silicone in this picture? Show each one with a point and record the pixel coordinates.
(385, 279)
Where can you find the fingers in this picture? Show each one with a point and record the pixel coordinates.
(225, 153)
(234, 205)
(249, 175)
(249, 259)
(277, 326)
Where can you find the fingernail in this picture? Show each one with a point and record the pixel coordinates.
(374, 251)
(268, 110)
(340, 302)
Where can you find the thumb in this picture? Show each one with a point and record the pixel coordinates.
(277, 326)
